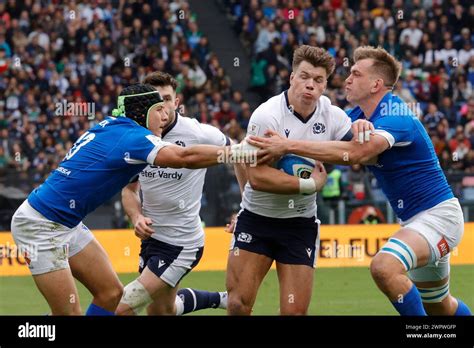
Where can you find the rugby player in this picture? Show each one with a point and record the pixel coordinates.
(412, 268)
(278, 216)
(169, 214)
(48, 225)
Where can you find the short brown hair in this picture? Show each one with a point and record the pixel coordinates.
(160, 79)
(384, 63)
(316, 56)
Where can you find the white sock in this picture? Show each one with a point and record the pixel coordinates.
(179, 305)
(223, 303)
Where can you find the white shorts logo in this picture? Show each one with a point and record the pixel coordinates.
(141, 262)
(244, 237)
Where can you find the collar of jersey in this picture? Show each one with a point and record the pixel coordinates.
(171, 126)
(297, 115)
(355, 114)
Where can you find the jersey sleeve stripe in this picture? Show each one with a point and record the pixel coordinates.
(152, 155)
(389, 137)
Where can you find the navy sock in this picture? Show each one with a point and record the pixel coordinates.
(96, 310)
(411, 303)
(463, 309)
(195, 300)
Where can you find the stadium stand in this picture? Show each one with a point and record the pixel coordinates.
(53, 53)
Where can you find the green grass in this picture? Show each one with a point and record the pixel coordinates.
(336, 291)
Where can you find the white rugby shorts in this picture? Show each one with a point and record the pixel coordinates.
(443, 227)
(47, 245)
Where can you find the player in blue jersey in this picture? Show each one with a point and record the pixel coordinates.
(48, 225)
(412, 268)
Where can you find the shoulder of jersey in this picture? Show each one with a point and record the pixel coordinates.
(334, 108)
(324, 101)
(271, 105)
(189, 121)
(325, 104)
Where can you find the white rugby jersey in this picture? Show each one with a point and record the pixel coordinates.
(328, 122)
(172, 197)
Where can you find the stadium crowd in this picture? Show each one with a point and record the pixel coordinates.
(53, 53)
(433, 40)
(85, 53)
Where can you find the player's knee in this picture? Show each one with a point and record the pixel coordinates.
(396, 256)
(115, 294)
(380, 270)
(135, 296)
(236, 305)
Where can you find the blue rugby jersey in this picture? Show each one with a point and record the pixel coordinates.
(101, 162)
(409, 171)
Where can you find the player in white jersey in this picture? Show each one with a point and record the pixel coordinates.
(278, 216)
(412, 269)
(168, 219)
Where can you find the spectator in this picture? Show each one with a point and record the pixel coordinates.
(266, 35)
(459, 145)
(4, 160)
(243, 116)
(433, 117)
(413, 34)
(465, 53)
(224, 115)
(448, 109)
(84, 54)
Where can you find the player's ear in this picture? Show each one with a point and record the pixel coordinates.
(292, 75)
(377, 85)
(176, 102)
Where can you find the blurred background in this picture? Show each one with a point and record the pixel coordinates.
(228, 57)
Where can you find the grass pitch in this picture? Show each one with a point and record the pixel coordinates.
(336, 291)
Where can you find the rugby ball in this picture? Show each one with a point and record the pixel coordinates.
(301, 167)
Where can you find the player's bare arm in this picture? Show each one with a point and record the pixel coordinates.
(133, 208)
(240, 173)
(268, 179)
(336, 152)
(193, 157)
(203, 156)
(241, 176)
